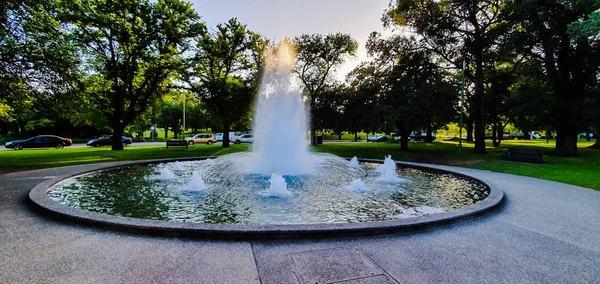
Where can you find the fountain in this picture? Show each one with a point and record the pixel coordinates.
(279, 182)
(388, 170)
(354, 162)
(358, 185)
(196, 183)
(277, 187)
(165, 174)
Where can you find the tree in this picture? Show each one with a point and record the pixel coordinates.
(224, 71)
(38, 62)
(318, 57)
(134, 46)
(568, 62)
(455, 30)
(170, 116)
(422, 96)
(364, 85)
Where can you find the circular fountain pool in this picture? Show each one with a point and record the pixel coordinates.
(219, 192)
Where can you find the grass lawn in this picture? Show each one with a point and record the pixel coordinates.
(582, 170)
(47, 158)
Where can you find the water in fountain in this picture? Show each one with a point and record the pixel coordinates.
(280, 119)
(196, 182)
(177, 166)
(358, 185)
(354, 162)
(388, 171)
(165, 174)
(280, 128)
(277, 187)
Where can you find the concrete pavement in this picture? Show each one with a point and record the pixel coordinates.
(547, 232)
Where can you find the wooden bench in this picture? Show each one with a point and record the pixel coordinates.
(532, 156)
(177, 143)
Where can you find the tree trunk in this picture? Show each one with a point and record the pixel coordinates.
(566, 142)
(526, 134)
(404, 135)
(428, 135)
(469, 127)
(597, 144)
(478, 108)
(166, 133)
(495, 141)
(226, 128)
(355, 136)
(339, 136)
(117, 144)
(500, 133)
(587, 136)
(313, 136)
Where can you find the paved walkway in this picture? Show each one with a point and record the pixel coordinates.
(547, 232)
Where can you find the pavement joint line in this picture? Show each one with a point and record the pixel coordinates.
(255, 261)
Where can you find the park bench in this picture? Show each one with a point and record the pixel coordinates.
(532, 156)
(177, 143)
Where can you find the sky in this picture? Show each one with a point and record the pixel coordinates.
(277, 19)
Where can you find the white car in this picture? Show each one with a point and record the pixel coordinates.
(244, 138)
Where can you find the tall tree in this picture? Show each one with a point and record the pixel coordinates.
(224, 71)
(422, 95)
(38, 62)
(318, 57)
(135, 46)
(568, 61)
(456, 30)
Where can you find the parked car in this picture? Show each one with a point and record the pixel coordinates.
(584, 135)
(420, 136)
(202, 138)
(451, 138)
(232, 135)
(377, 138)
(244, 138)
(40, 141)
(108, 140)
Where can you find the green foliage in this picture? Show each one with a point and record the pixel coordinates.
(318, 57)
(570, 63)
(37, 61)
(420, 94)
(134, 48)
(457, 31)
(224, 71)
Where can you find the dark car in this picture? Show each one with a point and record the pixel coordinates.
(40, 141)
(107, 140)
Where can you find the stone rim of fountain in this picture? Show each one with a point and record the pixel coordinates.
(39, 197)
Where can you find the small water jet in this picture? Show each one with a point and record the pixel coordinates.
(177, 166)
(165, 174)
(277, 187)
(196, 182)
(388, 171)
(354, 163)
(358, 185)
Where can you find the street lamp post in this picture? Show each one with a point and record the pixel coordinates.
(183, 132)
(462, 103)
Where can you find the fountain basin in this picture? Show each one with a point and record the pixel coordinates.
(39, 196)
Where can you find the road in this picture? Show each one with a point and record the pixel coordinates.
(146, 144)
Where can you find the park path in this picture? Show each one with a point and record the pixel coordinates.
(546, 232)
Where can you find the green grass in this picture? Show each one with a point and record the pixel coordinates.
(581, 170)
(47, 158)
